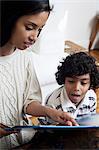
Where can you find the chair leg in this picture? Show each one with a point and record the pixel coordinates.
(93, 34)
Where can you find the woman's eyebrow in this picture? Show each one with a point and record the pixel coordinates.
(34, 25)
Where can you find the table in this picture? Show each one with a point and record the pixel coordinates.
(64, 139)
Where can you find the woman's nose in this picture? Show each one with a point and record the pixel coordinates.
(34, 36)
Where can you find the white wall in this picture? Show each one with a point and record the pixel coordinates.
(80, 15)
(51, 39)
(70, 20)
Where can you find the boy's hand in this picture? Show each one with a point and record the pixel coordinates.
(3, 132)
(61, 117)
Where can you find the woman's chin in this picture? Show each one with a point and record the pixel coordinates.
(22, 48)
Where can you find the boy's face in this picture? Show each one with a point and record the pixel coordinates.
(76, 87)
(27, 29)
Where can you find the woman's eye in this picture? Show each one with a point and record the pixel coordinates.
(29, 28)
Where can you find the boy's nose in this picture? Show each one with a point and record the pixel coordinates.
(77, 86)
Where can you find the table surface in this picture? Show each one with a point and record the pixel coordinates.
(64, 139)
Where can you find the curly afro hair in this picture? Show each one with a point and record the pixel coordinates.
(78, 64)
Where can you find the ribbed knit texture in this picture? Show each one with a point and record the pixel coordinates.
(18, 87)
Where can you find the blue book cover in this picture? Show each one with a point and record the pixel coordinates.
(88, 121)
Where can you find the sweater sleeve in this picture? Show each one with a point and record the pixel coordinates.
(32, 88)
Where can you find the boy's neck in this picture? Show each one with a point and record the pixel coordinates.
(76, 104)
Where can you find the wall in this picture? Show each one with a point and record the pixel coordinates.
(51, 39)
(70, 20)
(79, 21)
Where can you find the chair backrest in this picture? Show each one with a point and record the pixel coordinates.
(71, 47)
(97, 93)
(94, 32)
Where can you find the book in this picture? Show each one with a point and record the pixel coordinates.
(87, 121)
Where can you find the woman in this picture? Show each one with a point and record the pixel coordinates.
(21, 24)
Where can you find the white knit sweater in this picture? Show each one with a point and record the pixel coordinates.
(18, 87)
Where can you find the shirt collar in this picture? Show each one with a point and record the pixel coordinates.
(66, 102)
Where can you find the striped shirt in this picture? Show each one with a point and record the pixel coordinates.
(58, 99)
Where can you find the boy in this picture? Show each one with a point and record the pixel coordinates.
(78, 76)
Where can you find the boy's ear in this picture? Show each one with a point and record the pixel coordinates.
(91, 87)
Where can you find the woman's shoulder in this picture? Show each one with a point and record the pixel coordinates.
(25, 55)
(25, 58)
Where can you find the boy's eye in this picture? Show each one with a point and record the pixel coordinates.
(83, 83)
(71, 81)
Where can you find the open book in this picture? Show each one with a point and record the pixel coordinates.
(88, 121)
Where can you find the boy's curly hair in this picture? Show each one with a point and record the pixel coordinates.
(78, 64)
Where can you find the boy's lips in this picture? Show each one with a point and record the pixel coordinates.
(78, 95)
(75, 97)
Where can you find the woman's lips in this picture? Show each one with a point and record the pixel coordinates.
(27, 44)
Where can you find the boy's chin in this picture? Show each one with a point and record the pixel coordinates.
(77, 101)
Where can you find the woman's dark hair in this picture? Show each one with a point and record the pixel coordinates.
(78, 64)
(12, 10)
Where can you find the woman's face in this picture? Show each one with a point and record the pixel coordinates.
(27, 29)
(76, 87)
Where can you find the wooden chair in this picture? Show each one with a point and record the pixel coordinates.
(95, 52)
(97, 93)
(94, 32)
(71, 47)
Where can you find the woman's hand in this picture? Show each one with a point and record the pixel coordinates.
(3, 132)
(61, 117)
(37, 110)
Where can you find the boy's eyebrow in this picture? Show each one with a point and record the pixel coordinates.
(83, 78)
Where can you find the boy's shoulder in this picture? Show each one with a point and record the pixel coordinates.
(91, 93)
(55, 94)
